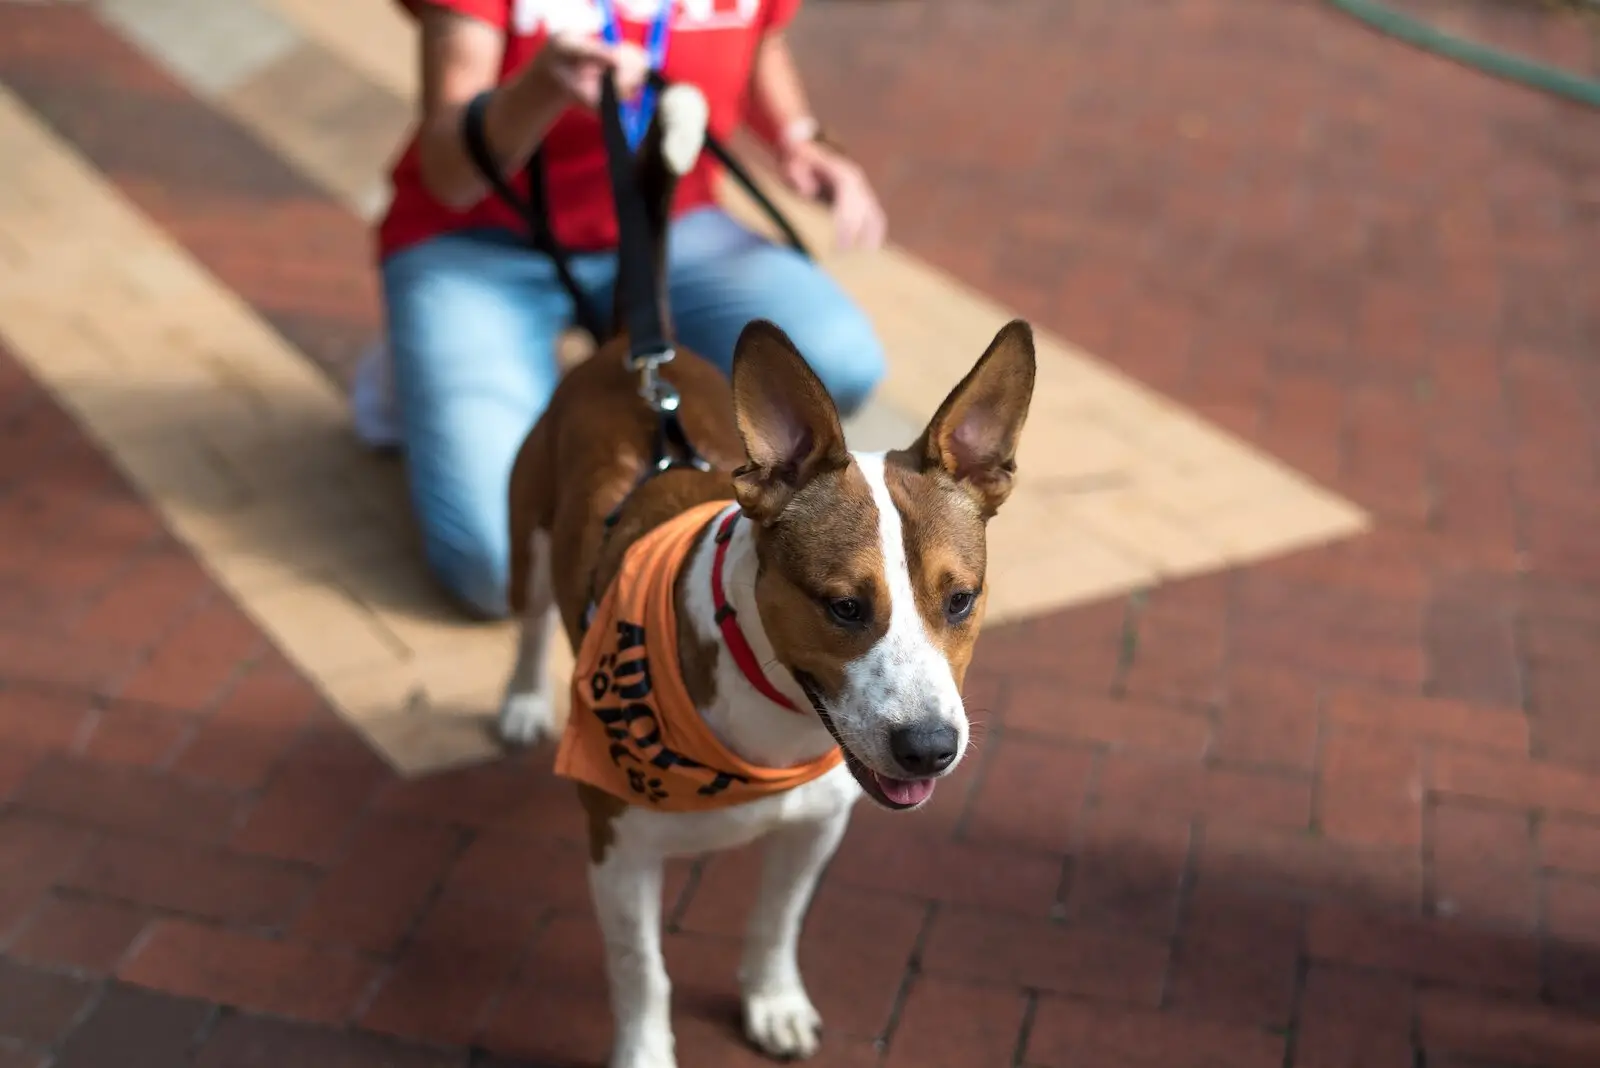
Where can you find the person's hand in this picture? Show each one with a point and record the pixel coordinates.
(577, 64)
(819, 173)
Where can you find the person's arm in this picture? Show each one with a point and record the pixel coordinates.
(779, 112)
(461, 58)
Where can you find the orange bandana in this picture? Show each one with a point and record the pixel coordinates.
(633, 731)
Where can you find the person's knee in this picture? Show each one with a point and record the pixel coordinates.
(476, 575)
(844, 350)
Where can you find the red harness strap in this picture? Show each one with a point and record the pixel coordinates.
(728, 622)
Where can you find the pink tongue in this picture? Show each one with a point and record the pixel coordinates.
(905, 791)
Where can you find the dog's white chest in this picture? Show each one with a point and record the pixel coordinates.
(689, 833)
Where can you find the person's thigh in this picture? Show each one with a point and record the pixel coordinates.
(722, 275)
(473, 320)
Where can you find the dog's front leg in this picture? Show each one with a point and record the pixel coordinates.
(778, 1015)
(627, 898)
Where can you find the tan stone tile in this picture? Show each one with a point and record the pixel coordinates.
(373, 36)
(175, 471)
(1145, 530)
(491, 663)
(162, 407)
(36, 278)
(414, 608)
(74, 351)
(1057, 455)
(1072, 381)
(248, 574)
(469, 679)
(155, 273)
(425, 744)
(1075, 568)
(1172, 436)
(461, 683)
(210, 45)
(1039, 560)
(339, 127)
(1283, 523)
(286, 523)
(325, 631)
(1208, 490)
(288, 549)
(310, 463)
(439, 709)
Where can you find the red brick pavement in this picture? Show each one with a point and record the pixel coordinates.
(1338, 810)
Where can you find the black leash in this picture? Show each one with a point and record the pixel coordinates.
(535, 211)
(641, 309)
(639, 289)
(641, 297)
(720, 153)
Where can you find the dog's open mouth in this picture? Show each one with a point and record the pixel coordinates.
(897, 795)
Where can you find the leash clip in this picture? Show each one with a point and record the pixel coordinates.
(656, 391)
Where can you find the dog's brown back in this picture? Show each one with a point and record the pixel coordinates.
(598, 435)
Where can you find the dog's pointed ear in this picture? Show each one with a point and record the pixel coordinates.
(789, 424)
(973, 437)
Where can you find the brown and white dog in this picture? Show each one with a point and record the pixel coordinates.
(857, 580)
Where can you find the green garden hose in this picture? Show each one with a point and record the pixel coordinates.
(1502, 65)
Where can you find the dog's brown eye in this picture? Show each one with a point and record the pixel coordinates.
(958, 606)
(847, 610)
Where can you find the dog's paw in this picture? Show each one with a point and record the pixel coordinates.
(526, 719)
(684, 114)
(783, 1024)
(644, 1055)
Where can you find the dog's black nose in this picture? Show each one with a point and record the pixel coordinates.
(924, 750)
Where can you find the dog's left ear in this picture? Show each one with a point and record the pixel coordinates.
(973, 437)
(789, 424)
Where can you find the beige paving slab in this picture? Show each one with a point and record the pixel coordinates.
(330, 573)
(212, 43)
(328, 118)
(245, 447)
(1041, 558)
(1145, 528)
(372, 36)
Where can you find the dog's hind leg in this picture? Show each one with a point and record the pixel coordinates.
(778, 1015)
(527, 715)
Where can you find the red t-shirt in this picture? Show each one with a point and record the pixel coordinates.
(711, 43)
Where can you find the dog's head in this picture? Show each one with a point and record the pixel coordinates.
(871, 571)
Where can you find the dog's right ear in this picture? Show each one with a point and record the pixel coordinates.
(789, 424)
(973, 437)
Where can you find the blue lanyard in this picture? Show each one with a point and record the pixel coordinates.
(636, 113)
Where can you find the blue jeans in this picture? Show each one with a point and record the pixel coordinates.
(473, 320)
